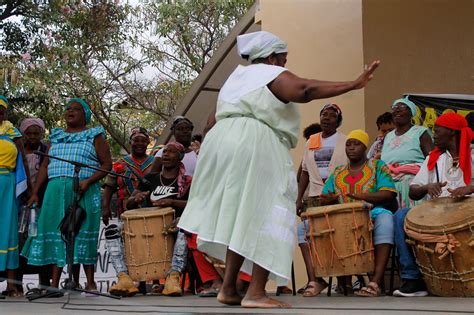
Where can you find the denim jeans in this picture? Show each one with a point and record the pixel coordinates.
(114, 246)
(408, 268)
(180, 253)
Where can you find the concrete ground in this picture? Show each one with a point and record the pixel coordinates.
(336, 304)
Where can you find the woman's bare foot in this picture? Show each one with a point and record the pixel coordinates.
(229, 297)
(91, 287)
(263, 302)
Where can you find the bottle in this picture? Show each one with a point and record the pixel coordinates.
(33, 227)
(25, 216)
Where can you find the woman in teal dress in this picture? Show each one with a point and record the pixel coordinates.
(13, 182)
(242, 202)
(80, 144)
(405, 148)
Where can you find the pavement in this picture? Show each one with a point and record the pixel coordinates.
(336, 304)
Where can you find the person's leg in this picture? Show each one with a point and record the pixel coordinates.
(408, 267)
(228, 293)
(76, 272)
(56, 275)
(89, 271)
(256, 297)
(11, 284)
(178, 263)
(383, 241)
(207, 272)
(412, 284)
(307, 261)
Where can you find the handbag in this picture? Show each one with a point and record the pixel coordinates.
(75, 215)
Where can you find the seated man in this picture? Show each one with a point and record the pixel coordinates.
(168, 188)
(445, 172)
(370, 181)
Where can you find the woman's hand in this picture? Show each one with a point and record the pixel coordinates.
(366, 76)
(328, 199)
(163, 203)
(460, 192)
(84, 185)
(34, 199)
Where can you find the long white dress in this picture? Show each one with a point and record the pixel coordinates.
(244, 188)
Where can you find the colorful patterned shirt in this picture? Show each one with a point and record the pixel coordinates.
(374, 176)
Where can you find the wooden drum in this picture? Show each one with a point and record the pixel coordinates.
(441, 232)
(340, 239)
(148, 245)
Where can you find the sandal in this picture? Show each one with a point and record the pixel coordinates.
(313, 288)
(208, 292)
(302, 289)
(157, 289)
(371, 290)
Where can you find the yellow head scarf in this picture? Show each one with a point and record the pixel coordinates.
(360, 135)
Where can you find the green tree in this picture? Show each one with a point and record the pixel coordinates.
(105, 52)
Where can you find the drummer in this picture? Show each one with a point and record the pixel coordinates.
(445, 172)
(368, 180)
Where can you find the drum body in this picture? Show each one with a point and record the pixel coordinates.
(148, 245)
(441, 232)
(341, 240)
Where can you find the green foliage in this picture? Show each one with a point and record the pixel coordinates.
(133, 64)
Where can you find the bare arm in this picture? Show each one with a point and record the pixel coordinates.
(40, 180)
(291, 88)
(418, 192)
(378, 197)
(105, 162)
(302, 185)
(136, 199)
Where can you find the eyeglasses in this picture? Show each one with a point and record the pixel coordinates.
(74, 109)
(400, 108)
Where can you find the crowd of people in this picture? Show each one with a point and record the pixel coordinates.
(235, 204)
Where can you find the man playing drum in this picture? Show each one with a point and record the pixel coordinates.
(370, 181)
(445, 172)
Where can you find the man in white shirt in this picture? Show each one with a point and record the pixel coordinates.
(446, 172)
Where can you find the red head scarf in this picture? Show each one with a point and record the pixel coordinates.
(455, 122)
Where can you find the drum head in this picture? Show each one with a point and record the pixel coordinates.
(147, 212)
(316, 211)
(441, 214)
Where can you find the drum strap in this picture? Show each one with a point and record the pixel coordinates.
(437, 173)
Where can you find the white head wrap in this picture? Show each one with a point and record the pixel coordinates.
(28, 122)
(260, 45)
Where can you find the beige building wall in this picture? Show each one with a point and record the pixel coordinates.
(426, 46)
(325, 42)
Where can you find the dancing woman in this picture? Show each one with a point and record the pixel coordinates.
(242, 203)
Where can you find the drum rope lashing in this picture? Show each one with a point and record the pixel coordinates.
(312, 243)
(334, 250)
(150, 256)
(166, 240)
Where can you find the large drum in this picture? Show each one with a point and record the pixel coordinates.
(441, 232)
(148, 245)
(340, 237)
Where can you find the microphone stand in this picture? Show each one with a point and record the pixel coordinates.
(69, 239)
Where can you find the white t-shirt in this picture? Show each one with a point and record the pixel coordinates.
(189, 161)
(446, 172)
(323, 156)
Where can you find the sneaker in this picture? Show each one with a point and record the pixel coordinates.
(124, 286)
(411, 288)
(172, 287)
